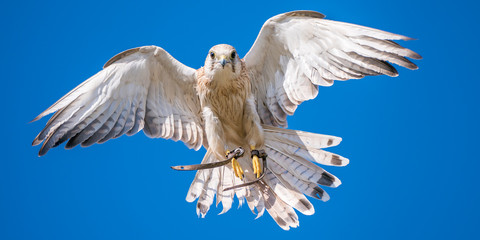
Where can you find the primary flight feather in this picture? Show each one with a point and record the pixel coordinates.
(232, 102)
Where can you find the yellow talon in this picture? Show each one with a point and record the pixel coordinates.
(256, 164)
(254, 167)
(240, 169)
(237, 169)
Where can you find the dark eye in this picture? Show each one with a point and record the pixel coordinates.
(212, 55)
(233, 55)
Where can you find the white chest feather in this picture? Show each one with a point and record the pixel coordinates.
(226, 98)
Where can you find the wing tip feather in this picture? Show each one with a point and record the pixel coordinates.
(415, 56)
(36, 141)
(35, 119)
(43, 151)
(41, 115)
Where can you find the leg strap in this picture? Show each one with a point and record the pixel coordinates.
(236, 153)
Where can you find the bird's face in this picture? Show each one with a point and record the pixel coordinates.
(222, 63)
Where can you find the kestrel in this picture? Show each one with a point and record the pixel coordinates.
(233, 104)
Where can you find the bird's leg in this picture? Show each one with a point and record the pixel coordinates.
(254, 134)
(237, 169)
(256, 154)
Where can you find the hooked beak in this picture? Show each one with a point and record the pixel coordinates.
(223, 60)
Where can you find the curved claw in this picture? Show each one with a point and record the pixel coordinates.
(237, 169)
(256, 166)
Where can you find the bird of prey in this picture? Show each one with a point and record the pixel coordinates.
(233, 104)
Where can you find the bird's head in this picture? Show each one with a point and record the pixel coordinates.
(222, 63)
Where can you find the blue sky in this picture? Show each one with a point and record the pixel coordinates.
(412, 140)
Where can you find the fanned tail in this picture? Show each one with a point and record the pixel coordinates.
(291, 174)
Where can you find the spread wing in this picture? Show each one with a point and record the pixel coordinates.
(141, 88)
(297, 51)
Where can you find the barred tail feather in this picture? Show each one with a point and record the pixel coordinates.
(300, 138)
(288, 194)
(305, 145)
(281, 212)
(255, 200)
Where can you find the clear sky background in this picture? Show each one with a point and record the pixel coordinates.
(412, 140)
